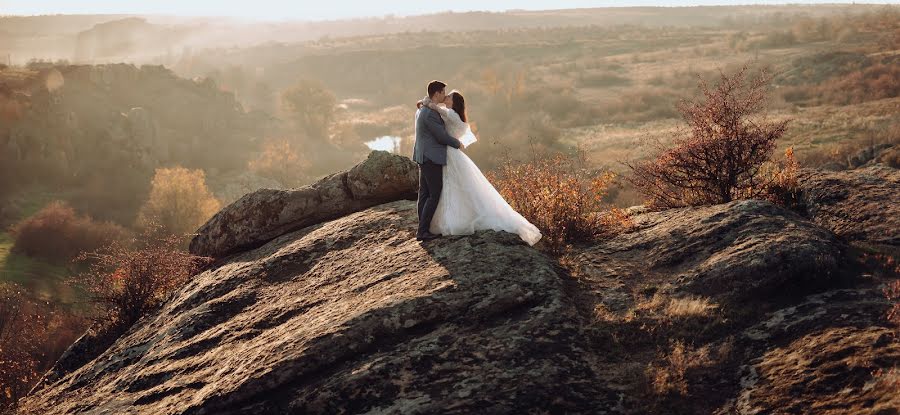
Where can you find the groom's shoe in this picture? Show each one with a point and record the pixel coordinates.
(427, 236)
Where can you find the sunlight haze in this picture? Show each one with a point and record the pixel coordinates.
(337, 9)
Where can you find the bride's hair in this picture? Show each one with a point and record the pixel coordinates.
(459, 104)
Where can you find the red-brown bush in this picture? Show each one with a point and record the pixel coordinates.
(721, 156)
(58, 233)
(33, 335)
(128, 280)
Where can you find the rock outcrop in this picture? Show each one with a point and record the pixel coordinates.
(351, 316)
(744, 308)
(860, 205)
(732, 252)
(261, 216)
(776, 313)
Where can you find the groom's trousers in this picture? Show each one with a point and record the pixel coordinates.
(431, 183)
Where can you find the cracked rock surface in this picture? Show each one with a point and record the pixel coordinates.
(350, 316)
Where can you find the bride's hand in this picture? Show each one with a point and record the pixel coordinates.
(433, 106)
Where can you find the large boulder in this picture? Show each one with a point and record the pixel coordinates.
(730, 252)
(351, 316)
(860, 205)
(265, 214)
(744, 307)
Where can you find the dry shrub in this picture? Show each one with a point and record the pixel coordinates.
(666, 312)
(782, 186)
(33, 335)
(58, 233)
(128, 280)
(669, 374)
(689, 307)
(721, 158)
(179, 201)
(280, 161)
(19, 354)
(559, 196)
(673, 371)
(601, 311)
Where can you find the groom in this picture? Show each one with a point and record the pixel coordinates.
(430, 152)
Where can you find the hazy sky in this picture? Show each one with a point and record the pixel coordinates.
(328, 9)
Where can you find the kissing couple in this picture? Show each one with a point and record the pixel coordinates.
(454, 196)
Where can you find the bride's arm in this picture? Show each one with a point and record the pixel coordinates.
(442, 111)
(455, 125)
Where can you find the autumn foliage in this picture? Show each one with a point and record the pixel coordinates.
(782, 185)
(33, 335)
(560, 197)
(129, 279)
(58, 233)
(721, 156)
(179, 201)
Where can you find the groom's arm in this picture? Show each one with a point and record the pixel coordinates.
(439, 132)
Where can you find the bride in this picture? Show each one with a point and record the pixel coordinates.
(468, 201)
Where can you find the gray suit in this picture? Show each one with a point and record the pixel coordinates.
(430, 152)
(432, 138)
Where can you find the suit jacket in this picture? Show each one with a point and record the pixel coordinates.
(432, 138)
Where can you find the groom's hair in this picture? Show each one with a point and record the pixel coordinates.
(434, 87)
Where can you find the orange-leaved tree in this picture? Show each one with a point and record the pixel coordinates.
(179, 201)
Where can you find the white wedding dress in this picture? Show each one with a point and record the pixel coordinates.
(469, 202)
